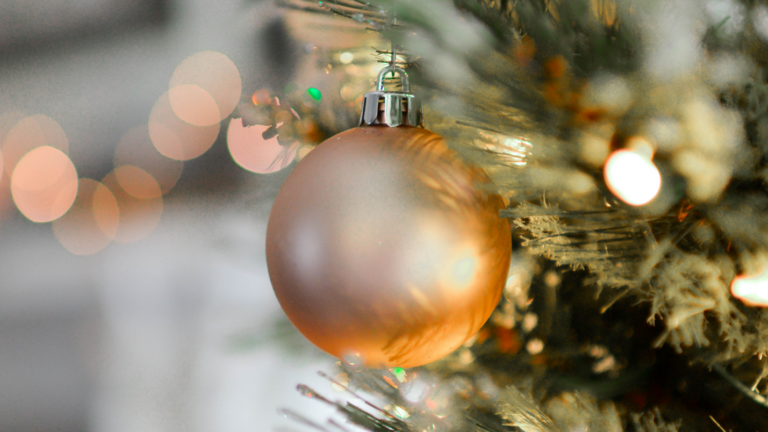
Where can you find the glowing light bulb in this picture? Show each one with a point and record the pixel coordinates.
(631, 177)
(751, 289)
(346, 57)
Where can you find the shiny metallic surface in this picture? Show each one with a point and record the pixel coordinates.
(383, 244)
(391, 108)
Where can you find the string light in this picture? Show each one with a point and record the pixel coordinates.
(752, 289)
(632, 177)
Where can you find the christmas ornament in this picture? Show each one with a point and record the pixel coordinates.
(383, 244)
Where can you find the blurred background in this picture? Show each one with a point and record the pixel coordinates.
(134, 293)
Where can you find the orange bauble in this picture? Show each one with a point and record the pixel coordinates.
(383, 244)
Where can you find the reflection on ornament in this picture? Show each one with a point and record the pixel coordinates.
(752, 290)
(631, 177)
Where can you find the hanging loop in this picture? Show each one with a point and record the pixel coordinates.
(404, 84)
(391, 108)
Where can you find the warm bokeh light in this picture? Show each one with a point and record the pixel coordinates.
(752, 290)
(44, 184)
(261, 97)
(631, 177)
(350, 92)
(92, 222)
(194, 105)
(139, 200)
(137, 182)
(106, 211)
(6, 201)
(346, 57)
(175, 138)
(30, 133)
(7, 121)
(135, 148)
(641, 146)
(212, 72)
(252, 152)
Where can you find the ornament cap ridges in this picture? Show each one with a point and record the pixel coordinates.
(391, 108)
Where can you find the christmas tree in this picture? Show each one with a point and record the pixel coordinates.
(628, 142)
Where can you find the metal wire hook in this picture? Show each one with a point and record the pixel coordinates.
(393, 69)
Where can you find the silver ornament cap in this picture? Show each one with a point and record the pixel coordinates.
(391, 108)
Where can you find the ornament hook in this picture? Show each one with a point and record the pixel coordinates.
(391, 108)
(405, 86)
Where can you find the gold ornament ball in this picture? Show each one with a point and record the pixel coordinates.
(383, 244)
